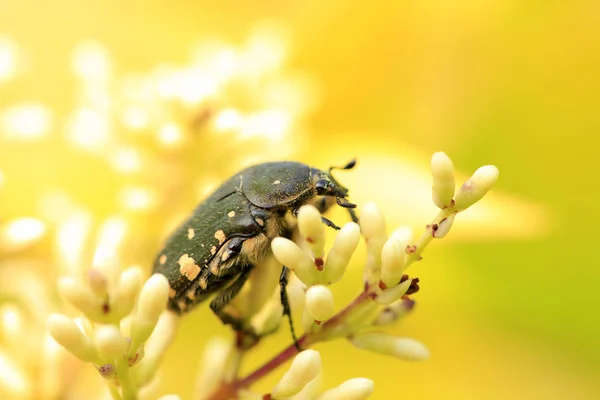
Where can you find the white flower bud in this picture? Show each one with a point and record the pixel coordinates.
(290, 255)
(81, 297)
(352, 389)
(268, 318)
(393, 256)
(372, 225)
(153, 297)
(403, 234)
(403, 348)
(388, 296)
(304, 368)
(111, 343)
(339, 256)
(98, 283)
(319, 302)
(372, 221)
(214, 367)
(311, 227)
(107, 262)
(393, 312)
(151, 303)
(443, 187)
(127, 290)
(65, 332)
(443, 227)
(476, 187)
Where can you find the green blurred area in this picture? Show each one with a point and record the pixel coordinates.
(509, 83)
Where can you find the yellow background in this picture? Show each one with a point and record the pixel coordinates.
(507, 314)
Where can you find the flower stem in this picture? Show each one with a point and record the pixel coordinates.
(228, 390)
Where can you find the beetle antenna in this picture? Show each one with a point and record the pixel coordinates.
(351, 164)
(344, 203)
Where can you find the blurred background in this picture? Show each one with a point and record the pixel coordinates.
(116, 118)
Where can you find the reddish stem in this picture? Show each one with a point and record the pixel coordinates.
(229, 390)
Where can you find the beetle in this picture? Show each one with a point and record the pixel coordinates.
(213, 252)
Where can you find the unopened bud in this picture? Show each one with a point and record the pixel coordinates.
(311, 227)
(65, 332)
(319, 302)
(403, 348)
(128, 288)
(352, 389)
(443, 187)
(81, 297)
(292, 256)
(304, 369)
(111, 343)
(98, 283)
(393, 256)
(372, 225)
(151, 303)
(388, 296)
(394, 312)
(475, 187)
(339, 256)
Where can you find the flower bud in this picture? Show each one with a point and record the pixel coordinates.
(290, 255)
(372, 225)
(65, 332)
(393, 256)
(388, 296)
(394, 312)
(403, 234)
(98, 283)
(352, 389)
(111, 344)
(107, 262)
(402, 348)
(268, 318)
(339, 256)
(81, 297)
(475, 187)
(153, 297)
(311, 227)
(319, 303)
(215, 365)
(443, 187)
(127, 290)
(151, 303)
(304, 369)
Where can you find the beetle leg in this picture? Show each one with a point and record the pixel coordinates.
(225, 296)
(353, 215)
(330, 223)
(287, 311)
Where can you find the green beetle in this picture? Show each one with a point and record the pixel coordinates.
(229, 233)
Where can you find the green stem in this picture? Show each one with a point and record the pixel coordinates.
(128, 389)
(114, 392)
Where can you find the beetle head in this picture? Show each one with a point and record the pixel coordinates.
(327, 185)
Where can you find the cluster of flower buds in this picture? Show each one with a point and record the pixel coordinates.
(385, 298)
(124, 329)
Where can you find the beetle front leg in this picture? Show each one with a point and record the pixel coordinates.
(287, 311)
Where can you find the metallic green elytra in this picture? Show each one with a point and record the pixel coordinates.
(229, 233)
